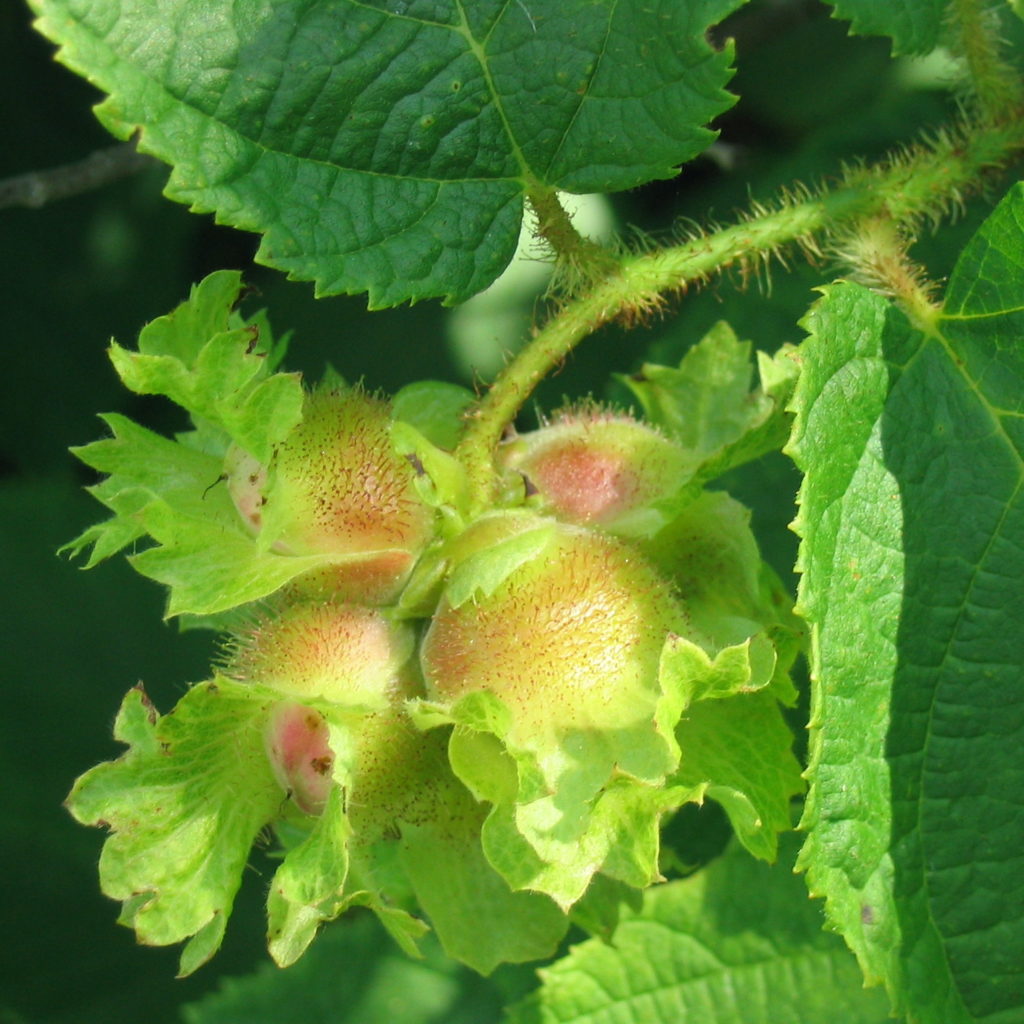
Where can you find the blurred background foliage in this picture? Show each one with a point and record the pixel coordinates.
(101, 264)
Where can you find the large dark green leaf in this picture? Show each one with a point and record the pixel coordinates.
(911, 436)
(387, 147)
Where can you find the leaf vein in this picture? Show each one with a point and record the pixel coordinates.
(585, 91)
(479, 52)
(724, 971)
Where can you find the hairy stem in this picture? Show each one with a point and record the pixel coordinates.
(995, 83)
(920, 184)
(556, 228)
(876, 250)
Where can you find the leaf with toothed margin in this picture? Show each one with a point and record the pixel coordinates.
(707, 405)
(584, 802)
(912, 550)
(388, 147)
(216, 366)
(183, 806)
(736, 943)
(915, 26)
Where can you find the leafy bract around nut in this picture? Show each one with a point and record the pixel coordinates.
(186, 801)
(562, 676)
(233, 506)
(337, 488)
(707, 405)
(598, 468)
(344, 785)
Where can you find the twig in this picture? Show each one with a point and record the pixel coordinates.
(37, 188)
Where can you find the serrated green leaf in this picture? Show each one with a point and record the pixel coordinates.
(912, 540)
(915, 26)
(216, 366)
(738, 752)
(183, 806)
(738, 943)
(706, 403)
(387, 148)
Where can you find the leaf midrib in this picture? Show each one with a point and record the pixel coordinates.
(478, 50)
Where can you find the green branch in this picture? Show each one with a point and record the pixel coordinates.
(922, 183)
(976, 37)
(877, 252)
(586, 258)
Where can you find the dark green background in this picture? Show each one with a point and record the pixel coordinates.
(81, 270)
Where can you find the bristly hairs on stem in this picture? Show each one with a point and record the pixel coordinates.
(992, 85)
(876, 251)
(578, 260)
(918, 185)
(913, 204)
(745, 265)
